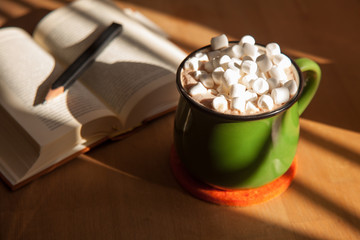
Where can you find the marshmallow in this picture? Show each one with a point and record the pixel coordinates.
(250, 95)
(247, 79)
(233, 51)
(273, 83)
(272, 49)
(281, 60)
(260, 74)
(265, 102)
(218, 75)
(244, 77)
(197, 89)
(238, 103)
(260, 86)
(237, 62)
(251, 108)
(280, 95)
(216, 62)
(213, 54)
(219, 42)
(231, 77)
(202, 56)
(278, 73)
(220, 104)
(234, 64)
(197, 74)
(264, 63)
(237, 90)
(248, 67)
(192, 63)
(261, 51)
(250, 50)
(208, 66)
(244, 58)
(206, 80)
(224, 60)
(247, 39)
(292, 86)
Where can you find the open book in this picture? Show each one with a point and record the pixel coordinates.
(131, 81)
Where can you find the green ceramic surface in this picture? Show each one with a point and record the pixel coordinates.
(237, 152)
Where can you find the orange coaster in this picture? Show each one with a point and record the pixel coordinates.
(241, 198)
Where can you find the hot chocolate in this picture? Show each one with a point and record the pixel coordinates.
(240, 78)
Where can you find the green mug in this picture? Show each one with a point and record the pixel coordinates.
(241, 151)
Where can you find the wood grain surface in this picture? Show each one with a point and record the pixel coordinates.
(125, 189)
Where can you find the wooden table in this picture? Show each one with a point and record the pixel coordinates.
(125, 189)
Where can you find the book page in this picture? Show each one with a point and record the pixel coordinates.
(137, 61)
(26, 73)
(17, 147)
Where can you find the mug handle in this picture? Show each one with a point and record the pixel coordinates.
(312, 81)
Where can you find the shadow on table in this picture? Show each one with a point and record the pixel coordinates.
(323, 202)
(336, 148)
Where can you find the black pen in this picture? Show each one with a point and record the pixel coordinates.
(71, 74)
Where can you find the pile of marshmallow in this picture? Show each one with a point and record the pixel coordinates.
(243, 77)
